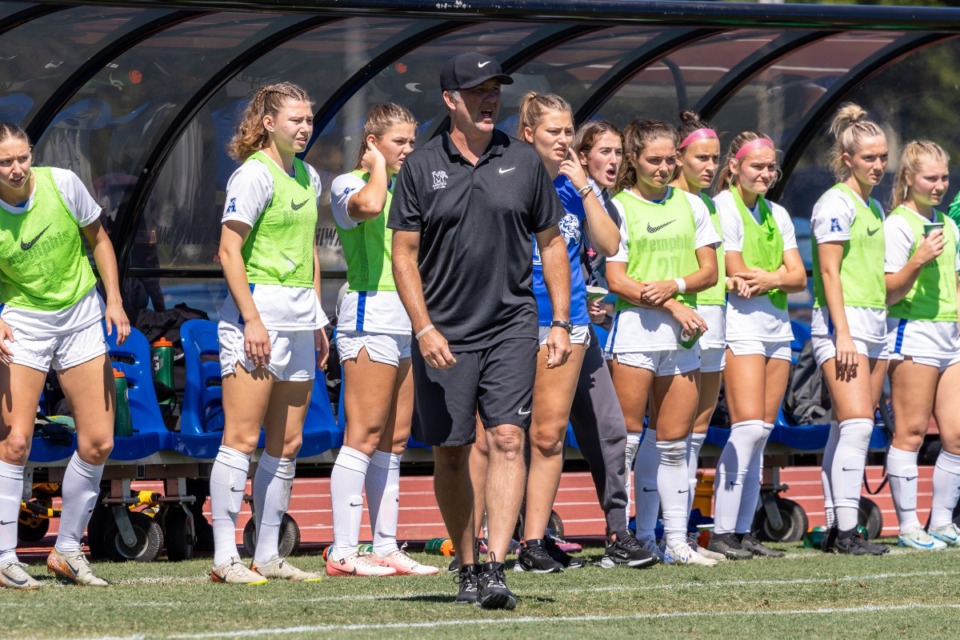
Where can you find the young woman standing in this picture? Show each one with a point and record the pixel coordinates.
(760, 247)
(271, 326)
(373, 339)
(849, 316)
(921, 267)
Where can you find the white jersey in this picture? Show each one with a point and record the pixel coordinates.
(647, 329)
(373, 311)
(753, 318)
(89, 309)
(915, 337)
(832, 218)
(249, 192)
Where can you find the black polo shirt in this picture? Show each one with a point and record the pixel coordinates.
(476, 244)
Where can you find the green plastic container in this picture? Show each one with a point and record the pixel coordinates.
(161, 353)
(122, 422)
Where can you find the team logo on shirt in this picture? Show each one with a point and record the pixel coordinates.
(297, 207)
(835, 225)
(872, 232)
(439, 180)
(232, 207)
(570, 229)
(654, 229)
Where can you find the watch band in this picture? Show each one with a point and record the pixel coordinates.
(563, 325)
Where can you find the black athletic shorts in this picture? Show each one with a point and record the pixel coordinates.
(495, 382)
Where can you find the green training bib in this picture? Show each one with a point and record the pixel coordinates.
(762, 243)
(367, 249)
(934, 294)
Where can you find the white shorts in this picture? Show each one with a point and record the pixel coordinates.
(713, 360)
(579, 335)
(58, 352)
(385, 348)
(292, 353)
(825, 347)
(773, 350)
(942, 364)
(662, 363)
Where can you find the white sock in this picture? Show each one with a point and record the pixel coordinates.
(751, 484)
(228, 479)
(826, 469)
(383, 501)
(645, 484)
(847, 474)
(903, 473)
(272, 485)
(81, 488)
(11, 488)
(633, 444)
(673, 484)
(346, 496)
(946, 489)
(694, 444)
(732, 471)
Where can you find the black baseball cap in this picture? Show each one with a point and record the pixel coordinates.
(469, 70)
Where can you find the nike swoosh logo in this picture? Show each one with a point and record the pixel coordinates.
(524, 413)
(297, 207)
(26, 245)
(481, 65)
(652, 229)
(71, 567)
(3, 524)
(871, 232)
(503, 171)
(684, 491)
(19, 583)
(236, 490)
(845, 469)
(359, 504)
(733, 484)
(645, 490)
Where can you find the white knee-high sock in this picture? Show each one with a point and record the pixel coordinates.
(751, 484)
(272, 485)
(81, 488)
(383, 501)
(645, 484)
(346, 496)
(633, 445)
(732, 472)
(673, 484)
(903, 474)
(228, 479)
(826, 470)
(694, 444)
(847, 474)
(946, 489)
(11, 488)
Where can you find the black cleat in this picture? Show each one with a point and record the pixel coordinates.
(492, 589)
(829, 542)
(454, 565)
(750, 543)
(533, 556)
(852, 543)
(729, 546)
(566, 560)
(627, 550)
(467, 577)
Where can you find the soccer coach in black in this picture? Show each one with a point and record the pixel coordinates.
(466, 208)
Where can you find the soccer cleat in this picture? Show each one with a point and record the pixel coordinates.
(73, 567)
(401, 562)
(454, 565)
(682, 554)
(852, 543)
(233, 571)
(492, 589)
(564, 545)
(14, 576)
(650, 546)
(706, 553)
(467, 578)
(357, 565)
(727, 545)
(279, 569)
(947, 534)
(750, 543)
(627, 550)
(533, 556)
(829, 543)
(560, 555)
(917, 538)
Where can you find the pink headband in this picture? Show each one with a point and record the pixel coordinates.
(699, 134)
(753, 145)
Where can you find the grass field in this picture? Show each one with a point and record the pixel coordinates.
(805, 595)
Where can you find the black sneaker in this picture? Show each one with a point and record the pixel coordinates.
(728, 545)
(852, 543)
(750, 543)
(565, 559)
(467, 577)
(533, 556)
(492, 589)
(454, 565)
(626, 549)
(829, 542)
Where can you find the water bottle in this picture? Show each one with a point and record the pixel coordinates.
(689, 338)
(122, 422)
(161, 353)
(365, 548)
(440, 547)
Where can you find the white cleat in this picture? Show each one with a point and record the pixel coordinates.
(947, 534)
(14, 576)
(233, 571)
(917, 538)
(401, 562)
(279, 569)
(682, 554)
(73, 567)
(706, 553)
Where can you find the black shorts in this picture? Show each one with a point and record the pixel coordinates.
(495, 382)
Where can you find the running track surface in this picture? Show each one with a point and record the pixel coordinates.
(576, 504)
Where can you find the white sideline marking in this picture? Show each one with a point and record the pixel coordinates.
(541, 620)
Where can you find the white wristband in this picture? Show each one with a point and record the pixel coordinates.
(681, 285)
(423, 331)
